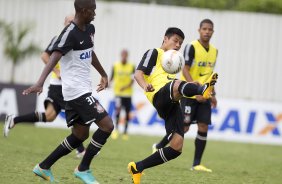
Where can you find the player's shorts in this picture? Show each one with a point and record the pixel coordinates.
(84, 110)
(169, 110)
(123, 102)
(55, 96)
(195, 111)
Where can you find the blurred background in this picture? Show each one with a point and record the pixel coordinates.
(247, 35)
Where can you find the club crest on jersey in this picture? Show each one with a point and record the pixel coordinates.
(85, 55)
(99, 108)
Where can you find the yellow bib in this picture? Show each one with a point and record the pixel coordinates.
(158, 77)
(53, 74)
(203, 64)
(123, 77)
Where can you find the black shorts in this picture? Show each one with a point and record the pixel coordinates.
(195, 111)
(55, 96)
(84, 110)
(169, 110)
(123, 102)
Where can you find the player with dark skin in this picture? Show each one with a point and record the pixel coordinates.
(83, 110)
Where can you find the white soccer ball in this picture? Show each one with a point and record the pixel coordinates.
(172, 61)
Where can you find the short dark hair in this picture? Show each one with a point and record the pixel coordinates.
(174, 30)
(208, 21)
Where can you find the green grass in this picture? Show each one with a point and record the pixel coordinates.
(232, 163)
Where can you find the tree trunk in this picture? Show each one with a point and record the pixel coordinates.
(12, 78)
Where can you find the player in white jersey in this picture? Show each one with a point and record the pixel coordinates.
(54, 102)
(74, 49)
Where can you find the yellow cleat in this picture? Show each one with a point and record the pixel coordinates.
(200, 168)
(125, 137)
(135, 175)
(209, 85)
(115, 134)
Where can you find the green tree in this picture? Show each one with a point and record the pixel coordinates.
(14, 45)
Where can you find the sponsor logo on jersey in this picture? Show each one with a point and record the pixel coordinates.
(85, 55)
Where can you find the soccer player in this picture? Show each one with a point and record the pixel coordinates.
(122, 77)
(200, 58)
(164, 92)
(54, 102)
(74, 49)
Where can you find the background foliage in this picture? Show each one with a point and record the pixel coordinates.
(264, 6)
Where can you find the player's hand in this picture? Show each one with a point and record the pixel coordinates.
(149, 88)
(33, 89)
(213, 102)
(103, 84)
(200, 98)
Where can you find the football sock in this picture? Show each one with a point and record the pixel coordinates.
(190, 89)
(117, 120)
(99, 138)
(200, 144)
(159, 157)
(71, 142)
(80, 148)
(31, 118)
(126, 123)
(163, 142)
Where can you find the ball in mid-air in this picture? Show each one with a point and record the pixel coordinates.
(172, 61)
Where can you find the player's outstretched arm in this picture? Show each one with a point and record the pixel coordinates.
(139, 77)
(37, 87)
(97, 65)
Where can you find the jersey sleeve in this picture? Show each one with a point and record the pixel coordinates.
(148, 61)
(51, 45)
(65, 41)
(189, 54)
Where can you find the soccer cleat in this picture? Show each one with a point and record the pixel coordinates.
(9, 124)
(86, 176)
(154, 148)
(46, 174)
(125, 137)
(80, 154)
(135, 175)
(114, 134)
(200, 168)
(209, 85)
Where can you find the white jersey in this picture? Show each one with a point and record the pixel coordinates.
(77, 49)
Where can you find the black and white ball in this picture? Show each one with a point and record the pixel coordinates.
(172, 61)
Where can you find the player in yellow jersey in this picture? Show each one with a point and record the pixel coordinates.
(54, 102)
(122, 77)
(200, 58)
(164, 92)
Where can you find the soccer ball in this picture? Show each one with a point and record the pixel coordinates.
(172, 61)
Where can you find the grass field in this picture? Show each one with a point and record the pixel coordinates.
(231, 162)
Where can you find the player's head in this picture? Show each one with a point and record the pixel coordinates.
(85, 9)
(124, 55)
(206, 30)
(173, 39)
(68, 19)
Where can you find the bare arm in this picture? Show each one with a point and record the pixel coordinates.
(37, 87)
(45, 56)
(186, 73)
(97, 65)
(139, 77)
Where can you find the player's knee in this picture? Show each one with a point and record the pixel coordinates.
(106, 124)
(186, 129)
(202, 127)
(50, 116)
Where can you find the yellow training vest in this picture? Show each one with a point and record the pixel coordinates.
(203, 64)
(158, 78)
(123, 77)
